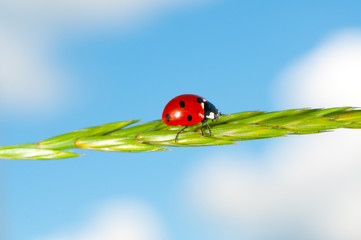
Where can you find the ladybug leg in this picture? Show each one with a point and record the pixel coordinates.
(202, 127)
(217, 117)
(176, 137)
(209, 129)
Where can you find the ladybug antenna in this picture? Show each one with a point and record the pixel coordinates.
(176, 137)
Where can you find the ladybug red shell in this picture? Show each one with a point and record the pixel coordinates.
(188, 109)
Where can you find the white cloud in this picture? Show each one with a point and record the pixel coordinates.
(302, 187)
(125, 220)
(85, 13)
(328, 76)
(30, 81)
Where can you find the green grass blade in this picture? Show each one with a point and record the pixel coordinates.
(156, 136)
(35, 154)
(133, 131)
(116, 144)
(67, 140)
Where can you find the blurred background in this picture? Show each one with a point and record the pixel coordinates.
(70, 64)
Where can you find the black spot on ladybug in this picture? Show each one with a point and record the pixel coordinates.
(182, 104)
(189, 117)
(200, 100)
(167, 117)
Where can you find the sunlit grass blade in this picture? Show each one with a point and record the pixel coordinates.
(306, 123)
(271, 115)
(164, 135)
(116, 144)
(156, 136)
(67, 140)
(35, 153)
(195, 142)
(242, 132)
(331, 111)
(137, 147)
(191, 139)
(134, 130)
(226, 118)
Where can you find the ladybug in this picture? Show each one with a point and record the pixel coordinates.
(188, 109)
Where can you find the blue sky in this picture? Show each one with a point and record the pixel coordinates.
(81, 66)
